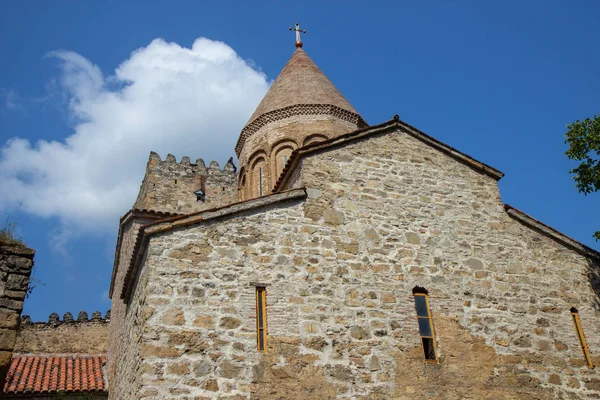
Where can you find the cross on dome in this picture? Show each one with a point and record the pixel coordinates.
(298, 31)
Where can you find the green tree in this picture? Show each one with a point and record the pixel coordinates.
(583, 138)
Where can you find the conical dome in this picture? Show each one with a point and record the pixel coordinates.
(302, 106)
(300, 82)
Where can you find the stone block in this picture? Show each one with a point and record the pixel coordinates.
(9, 319)
(341, 372)
(359, 333)
(474, 263)
(554, 379)
(15, 294)
(11, 304)
(181, 368)
(229, 370)
(203, 368)
(204, 321)
(17, 282)
(149, 350)
(5, 357)
(412, 238)
(173, 317)
(333, 217)
(7, 339)
(211, 385)
(230, 323)
(19, 264)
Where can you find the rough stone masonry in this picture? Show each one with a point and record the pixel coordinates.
(339, 223)
(16, 263)
(383, 214)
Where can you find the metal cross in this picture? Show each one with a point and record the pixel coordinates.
(298, 31)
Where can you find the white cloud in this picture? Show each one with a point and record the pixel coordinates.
(9, 99)
(164, 97)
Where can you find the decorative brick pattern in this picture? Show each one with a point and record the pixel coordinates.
(295, 110)
(301, 106)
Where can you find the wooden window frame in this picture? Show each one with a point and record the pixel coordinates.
(432, 337)
(580, 335)
(261, 318)
(260, 182)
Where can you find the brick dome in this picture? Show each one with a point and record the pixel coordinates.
(301, 107)
(300, 89)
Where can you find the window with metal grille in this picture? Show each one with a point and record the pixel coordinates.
(261, 318)
(584, 347)
(426, 329)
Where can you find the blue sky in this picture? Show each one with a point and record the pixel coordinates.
(497, 80)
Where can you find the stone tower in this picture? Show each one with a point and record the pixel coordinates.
(301, 107)
(173, 187)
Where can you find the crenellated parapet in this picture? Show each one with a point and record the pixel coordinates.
(183, 187)
(54, 319)
(81, 334)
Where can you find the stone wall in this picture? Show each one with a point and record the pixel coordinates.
(169, 186)
(16, 263)
(69, 335)
(126, 382)
(383, 215)
(128, 230)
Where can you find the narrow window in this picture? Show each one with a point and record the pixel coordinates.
(425, 324)
(260, 181)
(285, 160)
(586, 351)
(261, 318)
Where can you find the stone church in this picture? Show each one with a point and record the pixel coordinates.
(340, 260)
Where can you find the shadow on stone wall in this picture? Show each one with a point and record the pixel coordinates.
(593, 274)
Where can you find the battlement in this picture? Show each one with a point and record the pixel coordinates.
(54, 319)
(67, 335)
(183, 187)
(155, 162)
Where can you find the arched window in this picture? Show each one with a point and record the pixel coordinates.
(243, 187)
(281, 158)
(260, 177)
(280, 155)
(426, 329)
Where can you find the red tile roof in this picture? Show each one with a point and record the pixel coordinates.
(48, 373)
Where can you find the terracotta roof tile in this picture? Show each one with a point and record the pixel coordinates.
(48, 373)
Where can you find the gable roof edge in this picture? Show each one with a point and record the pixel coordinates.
(547, 230)
(125, 219)
(390, 125)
